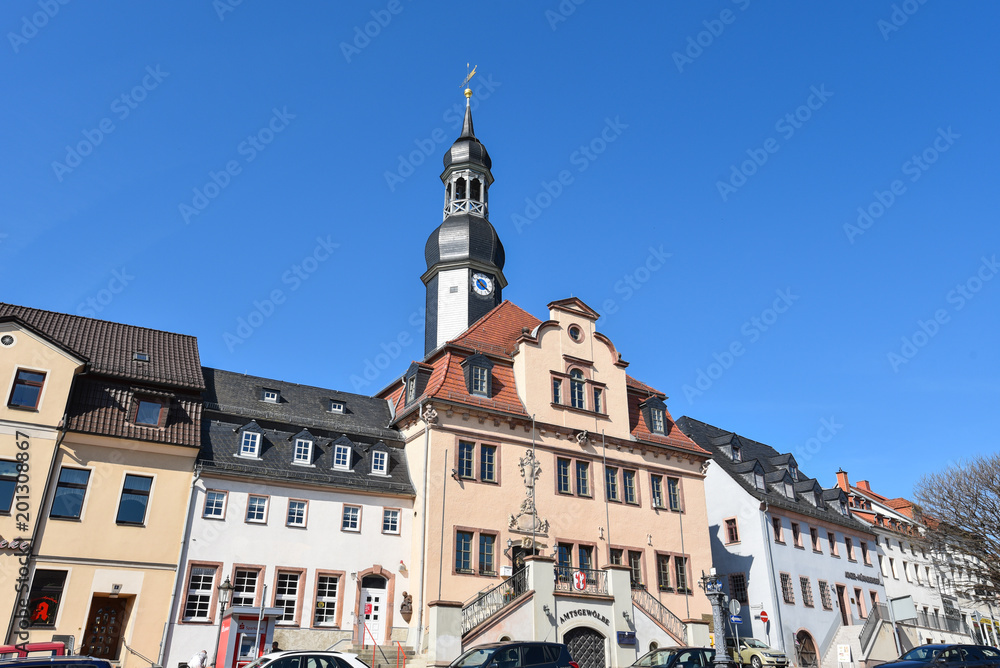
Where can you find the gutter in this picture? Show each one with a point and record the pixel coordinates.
(774, 576)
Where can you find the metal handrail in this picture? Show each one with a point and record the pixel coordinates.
(595, 581)
(652, 606)
(493, 600)
(872, 624)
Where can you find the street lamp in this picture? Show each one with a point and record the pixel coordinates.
(713, 590)
(225, 592)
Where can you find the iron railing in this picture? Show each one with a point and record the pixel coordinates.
(878, 613)
(589, 580)
(652, 606)
(488, 603)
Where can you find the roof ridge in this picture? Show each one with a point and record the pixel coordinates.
(288, 382)
(109, 322)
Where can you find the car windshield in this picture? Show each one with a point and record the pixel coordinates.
(660, 657)
(921, 654)
(259, 662)
(753, 642)
(474, 657)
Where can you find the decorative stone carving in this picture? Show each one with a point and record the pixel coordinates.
(430, 415)
(527, 520)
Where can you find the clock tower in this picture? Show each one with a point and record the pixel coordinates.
(464, 277)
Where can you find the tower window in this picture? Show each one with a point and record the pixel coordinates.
(460, 189)
(447, 192)
(576, 385)
(476, 189)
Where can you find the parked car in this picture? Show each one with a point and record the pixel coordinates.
(755, 653)
(950, 656)
(308, 659)
(55, 662)
(514, 654)
(32, 649)
(676, 657)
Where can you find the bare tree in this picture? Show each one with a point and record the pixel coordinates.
(960, 507)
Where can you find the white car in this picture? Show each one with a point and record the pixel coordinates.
(305, 658)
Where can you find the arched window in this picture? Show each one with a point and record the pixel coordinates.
(475, 189)
(447, 192)
(460, 189)
(576, 394)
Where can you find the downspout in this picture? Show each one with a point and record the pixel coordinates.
(774, 576)
(180, 570)
(423, 534)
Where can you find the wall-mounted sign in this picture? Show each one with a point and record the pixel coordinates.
(20, 544)
(626, 638)
(861, 577)
(583, 612)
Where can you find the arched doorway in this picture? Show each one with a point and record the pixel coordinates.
(586, 646)
(805, 648)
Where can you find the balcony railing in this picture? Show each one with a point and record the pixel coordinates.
(581, 580)
(492, 601)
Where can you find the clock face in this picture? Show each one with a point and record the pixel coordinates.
(482, 284)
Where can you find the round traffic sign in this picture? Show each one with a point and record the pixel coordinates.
(763, 616)
(734, 607)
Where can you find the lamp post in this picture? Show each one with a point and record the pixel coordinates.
(225, 592)
(713, 589)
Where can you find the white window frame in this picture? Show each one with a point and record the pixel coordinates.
(344, 450)
(271, 396)
(577, 389)
(303, 451)
(203, 593)
(280, 597)
(254, 520)
(380, 462)
(659, 421)
(336, 406)
(387, 514)
(221, 514)
(480, 381)
(323, 595)
(350, 521)
(250, 444)
(299, 518)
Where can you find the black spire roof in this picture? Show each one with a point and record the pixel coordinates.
(467, 148)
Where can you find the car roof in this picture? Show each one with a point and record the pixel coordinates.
(28, 660)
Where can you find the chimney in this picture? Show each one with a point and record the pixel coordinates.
(863, 484)
(842, 480)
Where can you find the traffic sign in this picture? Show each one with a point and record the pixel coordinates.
(735, 619)
(735, 607)
(763, 616)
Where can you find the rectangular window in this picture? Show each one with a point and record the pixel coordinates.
(776, 526)
(135, 497)
(463, 551)
(245, 587)
(390, 520)
(556, 391)
(586, 557)
(326, 600)
(487, 566)
(635, 565)
(380, 462)
(663, 572)
(45, 597)
(465, 456)
(680, 575)
(8, 483)
(732, 531)
(849, 547)
(27, 389)
(824, 595)
(674, 494)
(865, 557)
(351, 519)
(342, 457)
(657, 421)
(927, 572)
(148, 413)
(615, 556)
(831, 539)
(807, 592)
(488, 463)
(564, 562)
(738, 587)
(628, 482)
(562, 476)
(583, 478)
(656, 489)
(303, 451)
(597, 400)
(250, 444)
(786, 588)
(257, 509)
(576, 389)
(611, 483)
(336, 406)
(286, 596)
(892, 567)
(814, 537)
(479, 377)
(201, 583)
(296, 513)
(271, 396)
(796, 535)
(906, 571)
(70, 491)
(411, 388)
(215, 504)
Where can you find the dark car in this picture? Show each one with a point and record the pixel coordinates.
(514, 654)
(676, 657)
(55, 662)
(949, 656)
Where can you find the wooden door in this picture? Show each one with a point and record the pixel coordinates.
(102, 637)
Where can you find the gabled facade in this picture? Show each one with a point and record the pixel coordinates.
(785, 546)
(302, 492)
(106, 544)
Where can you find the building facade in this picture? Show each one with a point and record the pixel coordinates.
(790, 549)
(302, 501)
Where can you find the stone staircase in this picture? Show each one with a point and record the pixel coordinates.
(386, 656)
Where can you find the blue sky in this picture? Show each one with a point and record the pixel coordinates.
(822, 177)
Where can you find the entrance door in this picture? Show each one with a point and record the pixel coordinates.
(842, 604)
(806, 650)
(586, 647)
(372, 610)
(104, 628)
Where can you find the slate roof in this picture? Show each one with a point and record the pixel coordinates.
(234, 401)
(108, 347)
(714, 439)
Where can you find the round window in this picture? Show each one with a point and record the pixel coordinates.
(7, 340)
(575, 333)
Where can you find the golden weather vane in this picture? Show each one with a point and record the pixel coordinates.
(468, 77)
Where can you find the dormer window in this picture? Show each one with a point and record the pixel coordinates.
(149, 413)
(380, 462)
(817, 499)
(658, 421)
(793, 471)
(411, 388)
(336, 406)
(250, 444)
(271, 396)
(737, 453)
(789, 492)
(758, 480)
(654, 413)
(843, 506)
(478, 375)
(303, 451)
(342, 457)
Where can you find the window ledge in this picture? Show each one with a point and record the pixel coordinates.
(582, 411)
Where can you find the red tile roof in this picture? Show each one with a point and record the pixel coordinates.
(498, 330)
(674, 438)
(642, 387)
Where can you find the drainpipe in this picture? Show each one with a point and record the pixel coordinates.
(167, 634)
(774, 576)
(418, 645)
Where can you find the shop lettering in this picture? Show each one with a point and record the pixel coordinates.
(584, 613)
(21, 544)
(860, 577)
